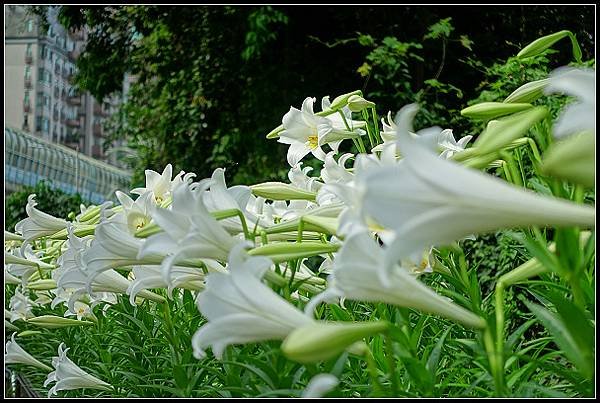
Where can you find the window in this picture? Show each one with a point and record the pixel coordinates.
(43, 75)
(38, 123)
(27, 73)
(45, 125)
(29, 25)
(26, 99)
(29, 50)
(26, 120)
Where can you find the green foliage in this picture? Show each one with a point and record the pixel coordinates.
(49, 200)
(260, 31)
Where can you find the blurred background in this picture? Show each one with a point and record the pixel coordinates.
(94, 95)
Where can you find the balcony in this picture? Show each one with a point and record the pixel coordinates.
(97, 129)
(56, 69)
(55, 115)
(74, 100)
(28, 83)
(28, 59)
(26, 107)
(73, 123)
(99, 111)
(81, 111)
(77, 35)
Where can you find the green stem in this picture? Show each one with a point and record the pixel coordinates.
(376, 125)
(391, 363)
(372, 367)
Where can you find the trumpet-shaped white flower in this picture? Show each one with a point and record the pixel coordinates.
(579, 116)
(38, 224)
(20, 306)
(434, 139)
(334, 172)
(137, 213)
(146, 277)
(241, 309)
(320, 384)
(307, 132)
(355, 276)
(81, 310)
(430, 201)
(26, 262)
(220, 197)
(191, 232)
(160, 185)
(69, 376)
(14, 354)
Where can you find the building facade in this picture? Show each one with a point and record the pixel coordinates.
(39, 97)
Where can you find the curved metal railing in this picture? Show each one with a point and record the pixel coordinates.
(29, 159)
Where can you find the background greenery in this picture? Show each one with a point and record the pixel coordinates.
(49, 200)
(212, 81)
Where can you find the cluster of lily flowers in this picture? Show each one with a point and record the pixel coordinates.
(374, 218)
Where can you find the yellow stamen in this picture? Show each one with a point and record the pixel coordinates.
(313, 141)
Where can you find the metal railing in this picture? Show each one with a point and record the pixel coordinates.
(29, 159)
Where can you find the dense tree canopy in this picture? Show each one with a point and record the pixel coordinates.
(212, 81)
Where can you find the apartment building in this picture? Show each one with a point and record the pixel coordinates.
(39, 97)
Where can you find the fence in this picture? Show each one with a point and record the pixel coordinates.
(29, 159)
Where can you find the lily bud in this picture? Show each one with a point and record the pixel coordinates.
(321, 341)
(9, 236)
(502, 132)
(491, 110)
(281, 191)
(342, 100)
(273, 134)
(356, 103)
(284, 251)
(41, 285)
(55, 322)
(572, 159)
(527, 92)
(539, 45)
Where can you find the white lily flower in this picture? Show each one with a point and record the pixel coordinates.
(23, 262)
(220, 197)
(160, 185)
(137, 213)
(113, 247)
(579, 116)
(241, 309)
(300, 132)
(433, 138)
(151, 276)
(191, 232)
(320, 384)
(38, 224)
(355, 276)
(430, 201)
(14, 354)
(20, 306)
(335, 172)
(307, 132)
(81, 310)
(69, 376)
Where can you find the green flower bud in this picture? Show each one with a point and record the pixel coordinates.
(55, 322)
(28, 333)
(80, 230)
(9, 236)
(539, 45)
(41, 285)
(356, 103)
(325, 225)
(491, 110)
(502, 132)
(281, 191)
(342, 100)
(284, 251)
(273, 134)
(572, 159)
(527, 92)
(321, 341)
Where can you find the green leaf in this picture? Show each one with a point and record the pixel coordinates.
(563, 338)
